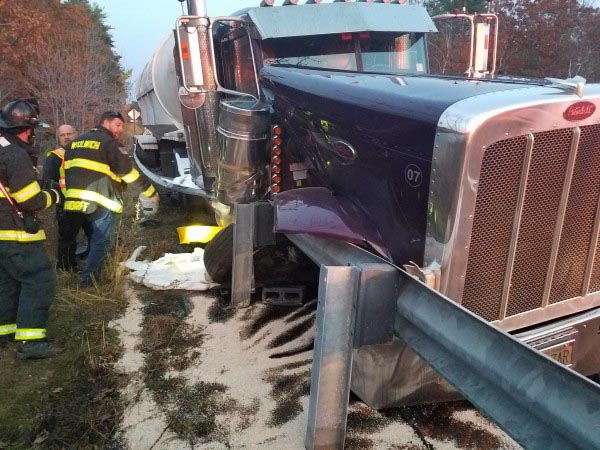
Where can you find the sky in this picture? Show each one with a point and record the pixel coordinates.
(139, 26)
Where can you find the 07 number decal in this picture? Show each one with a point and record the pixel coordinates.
(413, 175)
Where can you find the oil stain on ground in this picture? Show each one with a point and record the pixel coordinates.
(437, 421)
(287, 390)
(266, 315)
(292, 333)
(220, 311)
(170, 345)
(430, 422)
(192, 412)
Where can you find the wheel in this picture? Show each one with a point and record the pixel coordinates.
(218, 255)
(277, 264)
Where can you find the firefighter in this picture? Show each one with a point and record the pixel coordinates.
(27, 278)
(67, 230)
(96, 164)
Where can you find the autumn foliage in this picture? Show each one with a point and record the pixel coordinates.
(62, 54)
(537, 38)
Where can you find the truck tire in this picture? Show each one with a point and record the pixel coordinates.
(279, 264)
(218, 255)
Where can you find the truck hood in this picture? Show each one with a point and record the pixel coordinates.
(422, 98)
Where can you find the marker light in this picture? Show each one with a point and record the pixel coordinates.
(185, 50)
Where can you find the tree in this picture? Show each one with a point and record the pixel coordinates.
(537, 38)
(71, 69)
(555, 38)
(449, 48)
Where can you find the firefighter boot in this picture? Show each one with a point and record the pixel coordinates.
(38, 349)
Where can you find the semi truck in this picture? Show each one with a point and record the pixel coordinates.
(325, 116)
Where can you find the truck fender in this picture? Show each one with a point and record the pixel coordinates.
(316, 210)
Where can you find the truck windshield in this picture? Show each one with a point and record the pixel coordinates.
(397, 53)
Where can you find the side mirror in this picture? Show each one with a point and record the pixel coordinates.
(188, 31)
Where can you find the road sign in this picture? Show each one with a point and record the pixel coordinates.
(134, 114)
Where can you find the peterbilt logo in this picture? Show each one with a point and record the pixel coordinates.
(579, 111)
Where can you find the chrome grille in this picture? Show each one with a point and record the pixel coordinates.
(577, 232)
(595, 284)
(507, 272)
(488, 251)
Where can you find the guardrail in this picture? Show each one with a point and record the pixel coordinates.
(538, 402)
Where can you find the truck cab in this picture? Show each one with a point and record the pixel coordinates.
(484, 187)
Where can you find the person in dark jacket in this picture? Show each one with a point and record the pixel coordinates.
(66, 258)
(27, 278)
(96, 165)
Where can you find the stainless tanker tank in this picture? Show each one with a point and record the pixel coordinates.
(158, 94)
(157, 88)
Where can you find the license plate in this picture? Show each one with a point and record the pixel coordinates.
(563, 353)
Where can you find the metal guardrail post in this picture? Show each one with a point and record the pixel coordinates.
(332, 360)
(538, 402)
(242, 271)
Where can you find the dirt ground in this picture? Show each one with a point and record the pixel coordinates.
(203, 376)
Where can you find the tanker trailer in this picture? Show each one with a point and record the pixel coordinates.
(325, 117)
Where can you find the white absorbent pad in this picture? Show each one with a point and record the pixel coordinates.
(172, 271)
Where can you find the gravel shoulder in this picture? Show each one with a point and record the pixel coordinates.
(214, 378)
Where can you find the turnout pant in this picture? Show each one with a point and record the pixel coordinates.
(27, 285)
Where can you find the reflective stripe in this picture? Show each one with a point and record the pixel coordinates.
(27, 334)
(8, 329)
(131, 176)
(27, 192)
(76, 205)
(149, 192)
(21, 236)
(94, 197)
(48, 199)
(61, 178)
(94, 145)
(60, 152)
(92, 165)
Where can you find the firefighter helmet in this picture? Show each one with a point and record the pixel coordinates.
(20, 114)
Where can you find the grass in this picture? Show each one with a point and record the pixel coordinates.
(72, 400)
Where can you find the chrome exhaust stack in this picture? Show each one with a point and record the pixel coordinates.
(196, 8)
(198, 95)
